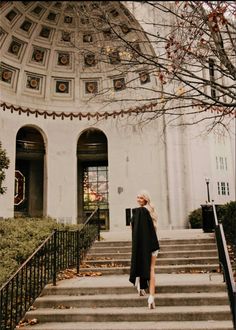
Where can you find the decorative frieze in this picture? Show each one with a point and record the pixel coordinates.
(45, 32)
(3, 4)
(107, 34)
(38, 11)
(128, 14)
(65, 36)
(114, 57)
(62, 87)
(144, 77)
(26, 25)
(89, 59)
(137, 49)
(63, 59)
(84, 21)
(11, 15)
(3, 35)
(91, 87)
(16, 48)
(8, 75)
(33, 82)
(38, 55)
(88, 37)
(114, 13)
(125, 28)
(52, 17)
(58, 5)
(68, 19)
(119, 84)
(26, 4)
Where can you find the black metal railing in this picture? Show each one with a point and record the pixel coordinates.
(62, 249)
(225, 264)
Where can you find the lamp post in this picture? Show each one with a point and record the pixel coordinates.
(208, 192)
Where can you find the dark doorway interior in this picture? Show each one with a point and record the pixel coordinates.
(29, 173)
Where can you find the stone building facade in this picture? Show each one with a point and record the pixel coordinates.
(68, 122)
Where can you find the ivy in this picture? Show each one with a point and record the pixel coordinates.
(4, 164)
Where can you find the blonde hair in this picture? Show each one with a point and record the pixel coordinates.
(145, 195)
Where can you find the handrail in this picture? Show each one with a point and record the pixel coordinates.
(225, 263)
(91, 215)
(97, 210)
(60, 250)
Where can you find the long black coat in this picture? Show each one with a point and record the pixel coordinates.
(144, 242)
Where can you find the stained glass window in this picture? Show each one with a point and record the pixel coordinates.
(95, 187)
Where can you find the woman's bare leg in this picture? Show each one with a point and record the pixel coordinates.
(152, 276)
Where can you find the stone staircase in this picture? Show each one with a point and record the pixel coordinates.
(190, 292)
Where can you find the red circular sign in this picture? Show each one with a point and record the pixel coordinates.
(19, 188)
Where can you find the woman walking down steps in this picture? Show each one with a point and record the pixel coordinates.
(145, 247)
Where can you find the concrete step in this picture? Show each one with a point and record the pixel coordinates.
(159, 261)
(164, 248)
(162, 254)
(162, 242)
(174, 325)
(198, 268)
(169, 288)
(190, 293)
(131, 300)
(131, 314)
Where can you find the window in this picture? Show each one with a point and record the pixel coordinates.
(218, 187)
(95, 187)
(217, 166)
(228, 188)
(221, 163)
(212, 77)
(223, 191)
(226, 166)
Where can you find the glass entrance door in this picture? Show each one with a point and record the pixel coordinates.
(95, 192)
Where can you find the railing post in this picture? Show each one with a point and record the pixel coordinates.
(215, 214)
(55, 257)
(77, 251)
(99, 223)
(234, 311)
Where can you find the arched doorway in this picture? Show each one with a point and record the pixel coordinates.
(29, 173)
(93, 176)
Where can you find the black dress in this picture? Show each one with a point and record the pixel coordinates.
(144, 242)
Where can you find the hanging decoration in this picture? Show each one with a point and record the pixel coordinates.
(146, 108)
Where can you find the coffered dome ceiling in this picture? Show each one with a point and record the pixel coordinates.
(68, 51)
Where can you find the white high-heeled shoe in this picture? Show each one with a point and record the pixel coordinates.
(141, 292)
(151, 302)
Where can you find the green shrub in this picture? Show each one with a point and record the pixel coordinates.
(19, 238)
(195, 218)
(227, 216)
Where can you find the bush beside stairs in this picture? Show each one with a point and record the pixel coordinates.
(190, 292)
